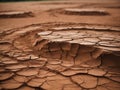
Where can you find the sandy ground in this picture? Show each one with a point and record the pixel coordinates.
(60, 45)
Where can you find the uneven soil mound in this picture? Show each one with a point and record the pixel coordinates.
(60, 56)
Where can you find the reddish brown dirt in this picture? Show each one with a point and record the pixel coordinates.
(65, 45)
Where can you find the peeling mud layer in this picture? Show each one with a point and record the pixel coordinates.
(14, 14)
(78, 11)
(57, 51)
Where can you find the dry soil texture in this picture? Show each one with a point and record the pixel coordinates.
(60, 45)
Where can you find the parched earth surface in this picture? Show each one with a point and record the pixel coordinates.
(60, 45)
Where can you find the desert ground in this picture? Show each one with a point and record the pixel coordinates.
(60, 45)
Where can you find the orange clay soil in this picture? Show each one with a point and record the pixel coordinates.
(60, 45)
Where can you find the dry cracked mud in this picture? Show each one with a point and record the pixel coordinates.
(60, 56)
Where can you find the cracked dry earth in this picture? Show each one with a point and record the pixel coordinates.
(64, 57)
(61, 55)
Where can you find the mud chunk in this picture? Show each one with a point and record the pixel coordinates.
(85, 81)
(16, 66)
(102, 81)
(58, 68)
(28, 72)
(10, 84)
(44, 73)
(73, 72)
(97, 72)
(4, 76)
(20, 78)
(36, 63)
(36, 82)
(56, 82)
